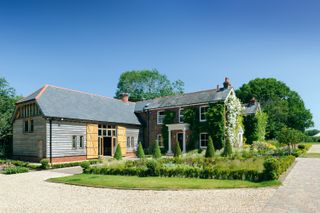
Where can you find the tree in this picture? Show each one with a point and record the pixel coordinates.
(147, 84)
(177, 150)
(290, 137)
(210, 149)
(140, 152)
(312, 132)
(255, 127)
(118, 153)
(227, 149)
(285, 108)
(7, 106)
(156, 151)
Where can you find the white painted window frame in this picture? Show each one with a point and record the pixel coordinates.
(75, 143)
(158, 117)
(203, 133)
(81, 147)
(200, 108)
(158, 140)
(180, 115)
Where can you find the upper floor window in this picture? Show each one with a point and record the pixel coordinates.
(204, 140)
(160, 140)
(74, 142)
(160, 117)
(202, 113)
(81, 143)
(28, 125)
(181, 115)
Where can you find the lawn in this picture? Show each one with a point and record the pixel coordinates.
(310, 155)
(134, 182)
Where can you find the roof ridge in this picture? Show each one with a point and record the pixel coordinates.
(176, 95)
(86, 93)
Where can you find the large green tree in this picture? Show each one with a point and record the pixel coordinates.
(147, 84)
(285, 108)
(7, 106)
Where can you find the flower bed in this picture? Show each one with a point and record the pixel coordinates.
(253, 169)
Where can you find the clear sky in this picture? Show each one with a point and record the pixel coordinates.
(85, 45)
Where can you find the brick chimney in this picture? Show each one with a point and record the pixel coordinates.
(218, 87)
(226, 83)
(125, 97)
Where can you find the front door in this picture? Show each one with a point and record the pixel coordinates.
(107, 146)
(180, 139)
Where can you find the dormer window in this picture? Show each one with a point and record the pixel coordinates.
(202, 113)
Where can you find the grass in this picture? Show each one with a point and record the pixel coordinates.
(158, 183)
(310, 155)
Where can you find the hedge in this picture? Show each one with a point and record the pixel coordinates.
(274, 167)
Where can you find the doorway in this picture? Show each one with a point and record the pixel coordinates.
(107, 146)
(180, 139)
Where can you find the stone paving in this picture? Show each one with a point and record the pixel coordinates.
(300, 191)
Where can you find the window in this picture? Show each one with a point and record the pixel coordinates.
(160, 140)
(160, 117)
(132, 142)
(74, 142)
(81, 142)
(128, 142)
(31, 125)
(26, 126)
(181, 115)
(202, 113)
(203, 140)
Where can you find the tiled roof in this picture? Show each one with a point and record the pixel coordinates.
(206, 96)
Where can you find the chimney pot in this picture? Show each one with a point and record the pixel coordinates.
(125, 97)
(226, 83)
(218, 88)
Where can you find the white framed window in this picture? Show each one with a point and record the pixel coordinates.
(203, 140)
(128, 142)
(160, 140)
(181, 115)
(202, 113)
(160, 117)
(74, 142)
(132, 142)
(81, 143)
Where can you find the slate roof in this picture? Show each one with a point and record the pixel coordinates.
(65, 103)
(206, 96)
(251, 108)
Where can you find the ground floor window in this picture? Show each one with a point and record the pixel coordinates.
(74, 142)
(203, 139)
(160, 140)
(130, 143)
(28, 126)
(81, 142)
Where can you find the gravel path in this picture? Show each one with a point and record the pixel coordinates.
(300, 191)
(29, 192)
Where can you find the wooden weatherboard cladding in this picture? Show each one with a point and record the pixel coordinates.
(122, 139)
(92, 141)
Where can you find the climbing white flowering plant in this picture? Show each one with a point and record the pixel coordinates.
(233, 111)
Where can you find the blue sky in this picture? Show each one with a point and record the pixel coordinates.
(85, 45)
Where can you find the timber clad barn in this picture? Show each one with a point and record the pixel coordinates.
(67, 125)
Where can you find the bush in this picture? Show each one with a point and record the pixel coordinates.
(44, 163)
(85, 165)
(177, 150)
(153, 167)
(72, 164)
(156, 151)
(301, 146)
(210, 149)
(227, 150)
(15, 170)
(118, 154)
(140, 152)
(274, 167)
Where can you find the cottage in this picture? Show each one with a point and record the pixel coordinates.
(67, 125)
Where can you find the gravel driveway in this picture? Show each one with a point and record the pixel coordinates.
(29, 192)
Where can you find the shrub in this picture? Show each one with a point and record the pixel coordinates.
(85, 165)
(118, 154)
(71, 164)
(177, 150)
(301, 146)
(140, 152)
(271, 169)
(227, 150)
(44, 163)
(156, 151)
(15, 170)
(210, 149)
(153, 167)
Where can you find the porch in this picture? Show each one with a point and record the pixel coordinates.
(180, 130)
